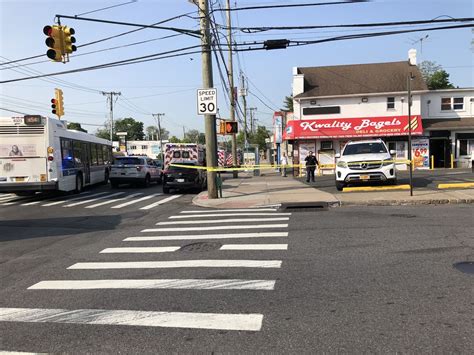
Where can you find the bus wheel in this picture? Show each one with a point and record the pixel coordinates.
(79, 186)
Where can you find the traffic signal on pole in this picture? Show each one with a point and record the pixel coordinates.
(54, 42)
(69, 47)
(231, 127)
(57, 104)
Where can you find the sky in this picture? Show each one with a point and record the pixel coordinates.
(169, 85)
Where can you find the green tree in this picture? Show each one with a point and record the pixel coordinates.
(152, 133)
(434, 75)
(104, 133)
(174, 139)
(133, 128)
(191, 136)
(288, 103)
(202, 138)
(257, 137)
(76, 126)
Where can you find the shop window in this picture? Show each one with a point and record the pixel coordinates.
(390, 103)
(326, 145)
(321, 110)
(133, 147)
(458, 103)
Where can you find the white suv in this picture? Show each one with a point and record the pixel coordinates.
(134, 170)
(365, 161)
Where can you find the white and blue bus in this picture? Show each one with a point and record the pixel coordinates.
(40, 154)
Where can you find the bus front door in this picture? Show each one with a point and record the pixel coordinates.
(86, 159)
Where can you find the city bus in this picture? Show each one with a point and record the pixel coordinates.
(40, 154)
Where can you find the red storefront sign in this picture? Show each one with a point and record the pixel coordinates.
(352, 127)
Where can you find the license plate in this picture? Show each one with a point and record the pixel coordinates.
(19, 179)
(365, 177)
(180, 180)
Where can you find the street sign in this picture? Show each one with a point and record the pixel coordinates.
(207, 101)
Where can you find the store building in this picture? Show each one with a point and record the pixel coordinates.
(448, 121)
(147, 148)
(335, 104)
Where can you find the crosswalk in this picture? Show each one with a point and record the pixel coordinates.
(248, 250)
(90, 200)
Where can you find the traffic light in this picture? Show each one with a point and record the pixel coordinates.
(54, 42)
(57, 104)
(231, 127)
(69, 47)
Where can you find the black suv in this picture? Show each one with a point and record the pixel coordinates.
(183, 178)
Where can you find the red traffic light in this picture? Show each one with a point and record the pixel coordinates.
(53, 101)
(231, 127)
(47, 30)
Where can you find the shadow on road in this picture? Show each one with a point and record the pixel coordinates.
(51, 227)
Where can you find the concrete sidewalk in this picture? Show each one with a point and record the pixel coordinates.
(271, 189)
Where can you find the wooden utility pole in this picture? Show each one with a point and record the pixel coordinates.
(110, 98)
(207, 81)
(158, 122)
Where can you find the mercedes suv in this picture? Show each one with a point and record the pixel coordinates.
(365, 161)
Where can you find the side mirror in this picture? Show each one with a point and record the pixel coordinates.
(338, 155)
(393, 152)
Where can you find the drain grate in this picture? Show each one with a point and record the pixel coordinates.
(200, 247)
(304, 207)
(466, 267)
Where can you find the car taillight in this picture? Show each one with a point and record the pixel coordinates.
(139, 168)
(50, 158)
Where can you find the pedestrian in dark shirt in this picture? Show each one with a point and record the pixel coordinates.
(311, 163)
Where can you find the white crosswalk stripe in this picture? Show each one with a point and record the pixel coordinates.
(140, 250)
(122, 205)
(176, 264)
(254, 247)
(252, 214)
(183, 284)
(81, 197)
(247, 322)
(207, 228)
(232, 220)
(160, 202)
(208, 236)
(233, 210)
(93, 199)
(114, 200)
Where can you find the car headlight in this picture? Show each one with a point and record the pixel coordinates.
(341, 164)
(387, 162)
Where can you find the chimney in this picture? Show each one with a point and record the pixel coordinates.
(412, 56)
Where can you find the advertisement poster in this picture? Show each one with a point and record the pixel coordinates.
(305, 148)
(17, 150)
(277, 128)
(420, 149)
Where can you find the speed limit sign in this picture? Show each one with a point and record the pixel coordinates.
(207, 101)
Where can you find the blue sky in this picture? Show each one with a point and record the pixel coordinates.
(169, 86)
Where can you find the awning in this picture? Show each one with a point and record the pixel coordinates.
(352, 127)
(448, 124)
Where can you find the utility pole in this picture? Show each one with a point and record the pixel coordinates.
(243, 93)
(409, 79)
(232, 89)
(252, 118)
(158, 121)
(184, 132)
(110, 99)
(207, 81)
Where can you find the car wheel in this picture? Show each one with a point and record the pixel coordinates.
(114, 184)
(147, 180)
(79, 185)
(340, 185)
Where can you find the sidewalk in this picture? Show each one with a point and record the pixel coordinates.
(271, 189)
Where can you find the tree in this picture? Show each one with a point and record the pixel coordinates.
(257, 137)
(104, 133)
(152, 133)
(288, 103)
(174, 139)
(202, 138)
(76, 126)
(133, 128)
(434, 75)
(191, 136)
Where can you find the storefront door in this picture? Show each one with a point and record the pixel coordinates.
(440, 149)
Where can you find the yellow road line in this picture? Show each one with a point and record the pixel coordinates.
(457, 185)
(376, 188)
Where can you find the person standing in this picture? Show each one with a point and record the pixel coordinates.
(311, 163)
(283, 164)
(472, 159)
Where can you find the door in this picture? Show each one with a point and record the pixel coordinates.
(440, 149)
(86, 159)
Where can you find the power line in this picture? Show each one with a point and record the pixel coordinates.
(263, 7)
(6, 109)
(108, 7)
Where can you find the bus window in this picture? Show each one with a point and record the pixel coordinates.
(66, 154)
(93, 154)
(77, 153)
(100, 157)
(106, 151)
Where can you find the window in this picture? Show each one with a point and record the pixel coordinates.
(452, 103)
(177, 154)
(326, 145)
(77, 147)
(67, 154)
(445, 103)
(458, 103)
(463, 147)
(93, 154)
(100, 157)
(365, 148)
(390, 103)
(144, 147)
(321, 110)
(106, 153)
(133, 147)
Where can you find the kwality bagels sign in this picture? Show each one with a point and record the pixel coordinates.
(352, 127)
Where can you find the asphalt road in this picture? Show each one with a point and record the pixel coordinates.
(352, 280)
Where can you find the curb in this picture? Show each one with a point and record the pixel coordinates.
(408, 202)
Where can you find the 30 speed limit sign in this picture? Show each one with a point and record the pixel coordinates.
(207, 101)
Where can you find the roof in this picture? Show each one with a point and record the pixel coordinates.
(448, 124)
(359, 79)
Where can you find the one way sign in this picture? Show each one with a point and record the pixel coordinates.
(207, 101)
